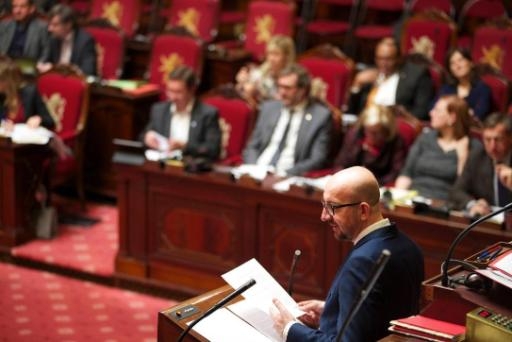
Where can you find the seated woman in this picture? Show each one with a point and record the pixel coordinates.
(463, 81)
(19, 101)
(438, 156)
(257, 83)
(374, 143)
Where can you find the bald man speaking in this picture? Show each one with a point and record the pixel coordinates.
(351, 208)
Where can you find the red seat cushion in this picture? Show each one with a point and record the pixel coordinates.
(374, 32)
(327, 27)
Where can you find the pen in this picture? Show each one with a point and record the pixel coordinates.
(494, 254)
(486, 253)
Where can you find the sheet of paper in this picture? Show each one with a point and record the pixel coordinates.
(265, 289)
(163, 142)
(256, 318)
(258, 172)
(23, 134)
(224, 326)
(497, 276)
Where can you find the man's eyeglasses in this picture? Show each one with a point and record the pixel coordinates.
(331, 207)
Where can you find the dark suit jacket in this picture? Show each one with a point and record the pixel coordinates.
(83, 52)
(313, 141)
(476, 180)
(414, 91)
(396, 293)
(36, 44)
(32, 105)
(204, 136)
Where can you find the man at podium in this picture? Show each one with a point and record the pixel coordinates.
(351, 208)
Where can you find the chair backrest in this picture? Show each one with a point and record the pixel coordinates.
(170, 50)
(109, 50)
(441, 5)
(235, 120)
(65, 92)
(492, 44)
(431, 33)
(408, 126)
(122, 14)
(267, 19)
(499, 84)
(486, 9)
(199, 17)
(332, 67)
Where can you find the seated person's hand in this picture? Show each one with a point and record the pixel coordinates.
(504, 173)
(364, 77)
(479, 208)
(34, 121)
(176, 145)
(151, 140)
(280, 315)
(313, 310)
(403, 182)
(43, 67)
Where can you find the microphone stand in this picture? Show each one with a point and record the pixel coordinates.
(445, 281)
(217, 306)
(378, 267)
(296, 256)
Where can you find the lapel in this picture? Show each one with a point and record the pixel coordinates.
(167, 115)
(9, 36)
(194, 121)
(271, 123)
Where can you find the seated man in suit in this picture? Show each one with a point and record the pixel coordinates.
(351, 208)
(183, 122)
(24, 35)
(392, 83)
(69, 44)
(293, 133)
(487, 176)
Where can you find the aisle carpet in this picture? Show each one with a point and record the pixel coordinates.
(42, 306)
(86, 241)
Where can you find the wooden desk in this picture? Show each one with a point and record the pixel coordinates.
(169, 328)
(185, 230)
(112, 114)
(20, 172)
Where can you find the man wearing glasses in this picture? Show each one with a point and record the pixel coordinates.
(351, 209)
(292, 134)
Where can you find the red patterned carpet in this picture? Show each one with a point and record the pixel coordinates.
(42, 306)
(89, 249)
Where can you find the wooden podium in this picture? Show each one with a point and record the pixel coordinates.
(170, 326)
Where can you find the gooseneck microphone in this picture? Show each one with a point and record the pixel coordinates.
(217, 306)
(296, 257)
(445, 279)
(368, 285)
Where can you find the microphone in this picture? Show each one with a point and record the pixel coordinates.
(296, 256)
(445, 279)
(368, 285)
(217, 306)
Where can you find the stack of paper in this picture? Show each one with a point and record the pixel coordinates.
(428, 329)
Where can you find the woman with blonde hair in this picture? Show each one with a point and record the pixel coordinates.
(438, 156)
(374, 143)
(257, 83)
(19, 101)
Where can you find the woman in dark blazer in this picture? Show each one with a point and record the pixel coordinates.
(463, 81)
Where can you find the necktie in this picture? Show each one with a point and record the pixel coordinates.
(282, 143)
(503, 193)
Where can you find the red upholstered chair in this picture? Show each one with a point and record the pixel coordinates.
(199, 17)
(499, 84)
(431, 33)
(236, 118)
(475, 13)
(445, 6)
(264, 20)
(333, 19)
(377, 17)
(492, 44)
(335, 69)
(109, 49)
(122, 14)
(409, 127)
(168, 50)
(66, 94)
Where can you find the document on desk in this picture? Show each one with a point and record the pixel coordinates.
(224, 326)
(258, 299)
